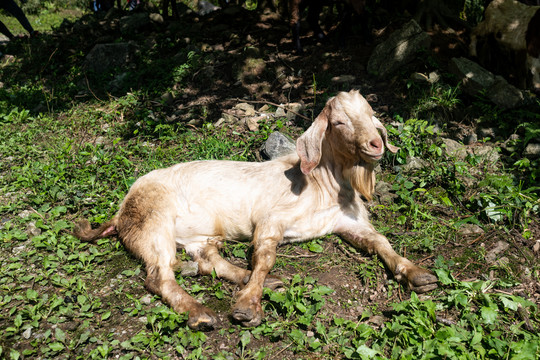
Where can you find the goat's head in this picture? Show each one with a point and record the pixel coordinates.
(348, 126)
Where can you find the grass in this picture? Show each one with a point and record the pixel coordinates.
(77, 157)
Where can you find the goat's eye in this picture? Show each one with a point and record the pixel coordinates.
(339, 123)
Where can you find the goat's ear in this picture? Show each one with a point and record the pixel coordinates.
(384, 135)
(308, 146)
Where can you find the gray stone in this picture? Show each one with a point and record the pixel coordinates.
(293, 109)
(134, 22)
(104, 57)
(493, 254)
(505, 95)
(118, 81)
(168, 98)
(278, 145)
(24, 214)
(343, 79)
(252, 123)
(399, 49)
(414, 163)
(470, 229)
(384, 192)
(475, 79)
(532, 150)
(470, 139)
(205, 7)
(487, 153)
(189, 268)
(434, 77)
(248, 109)
(157, 18)
(453, 148)
(281, 112)
(27, 333)
(32, 230)
(147, 299)
(484, 133)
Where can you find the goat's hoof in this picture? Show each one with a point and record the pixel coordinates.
(419, 280)
(247, 317)
(202, 320)
(248, 314)
(422, 281)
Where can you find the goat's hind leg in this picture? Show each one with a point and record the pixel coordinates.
(159, 256)
(417, 279)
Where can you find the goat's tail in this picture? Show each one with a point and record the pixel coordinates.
(83, 230)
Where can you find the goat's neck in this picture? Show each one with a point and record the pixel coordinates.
(347, 176)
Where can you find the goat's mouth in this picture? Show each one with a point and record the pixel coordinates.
(372, 156)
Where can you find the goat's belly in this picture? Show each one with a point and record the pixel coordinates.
(312, 226)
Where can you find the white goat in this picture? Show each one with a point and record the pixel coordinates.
(301, 196)
(516, 28)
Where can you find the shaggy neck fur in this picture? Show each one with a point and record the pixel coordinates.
(360, 176)
(362, 179)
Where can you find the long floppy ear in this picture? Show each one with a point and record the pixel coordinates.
(384, 135)
(308, 146)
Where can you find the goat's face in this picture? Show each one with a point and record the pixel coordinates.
(350, 129)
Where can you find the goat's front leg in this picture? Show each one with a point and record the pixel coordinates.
(366, 238)
(248, 307)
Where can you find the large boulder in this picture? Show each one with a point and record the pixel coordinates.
(475, 79)
(104, 57)
(399, 49)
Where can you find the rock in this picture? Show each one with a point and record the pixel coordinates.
(487, 153)
(119, 81)
(414, 163)
(400, 48)
(475, 79)
(104, 57)
(168, 98)
(536, 246)
(147, 299)
(453, 148)
(229, 118)
(157, 18)
(280, 112)
(24, 214)
(205, 7)
(343, 79)
(484, 133)
(434, 77)
(377, 320)
(278, 145)
(248, 109)
(195, 122)
(32, 230)
(470, 229)
(532, 150)
(293, 109)
(500, 247)
(384, 192)
(189, 268)
(470, 139)
(27, 333)
(252, 123)
(134, 22)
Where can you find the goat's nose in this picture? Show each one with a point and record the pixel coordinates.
(376, 144)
